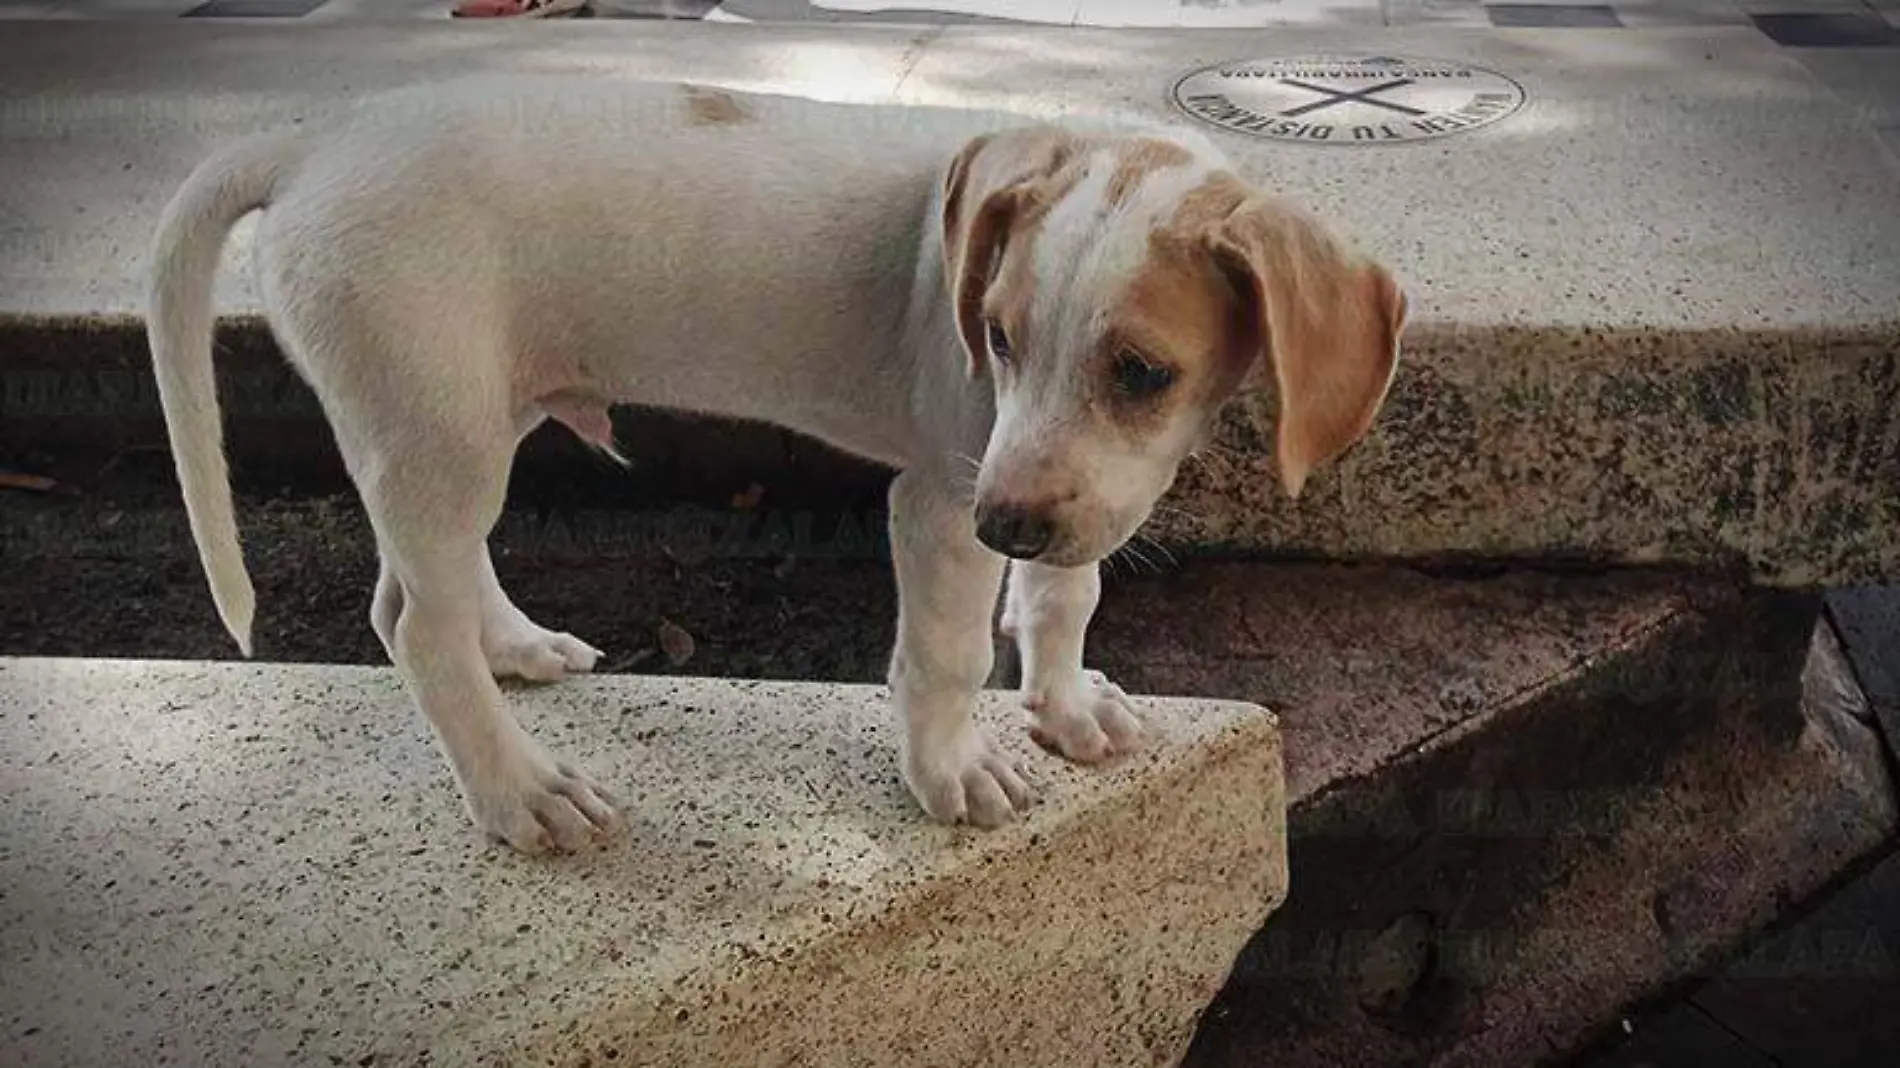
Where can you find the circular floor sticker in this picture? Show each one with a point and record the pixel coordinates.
(1347, 100)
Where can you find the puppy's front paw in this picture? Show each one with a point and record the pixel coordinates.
(1088, 720)
(965, 778)
(535, 803)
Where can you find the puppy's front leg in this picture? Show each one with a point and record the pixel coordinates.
(947, 584)
(1077, 712)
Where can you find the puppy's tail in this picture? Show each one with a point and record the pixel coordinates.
(191, 235)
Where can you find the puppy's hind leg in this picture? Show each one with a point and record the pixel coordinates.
(432, 498)
(516, 645)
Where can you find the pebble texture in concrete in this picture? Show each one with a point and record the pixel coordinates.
(243, 865)
(1602, 364)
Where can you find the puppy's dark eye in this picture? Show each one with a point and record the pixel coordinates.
(1137, 376)
(999, 341)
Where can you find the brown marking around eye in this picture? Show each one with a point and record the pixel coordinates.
(996, 191)
(1181, 313)
(1011, 296)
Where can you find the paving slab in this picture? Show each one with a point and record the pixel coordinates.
(1690, 105)
(1602, 365)
(224, 864)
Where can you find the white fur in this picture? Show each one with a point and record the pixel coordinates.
(449, 267)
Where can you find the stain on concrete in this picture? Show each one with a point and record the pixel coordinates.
(712, 107)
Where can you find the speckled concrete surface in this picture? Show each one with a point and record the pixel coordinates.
(1656, 313)
(1773, 454)
(247, 865)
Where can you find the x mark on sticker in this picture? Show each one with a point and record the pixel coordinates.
(1347, 96)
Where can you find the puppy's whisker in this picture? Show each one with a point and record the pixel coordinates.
(964, 482)
(1168, 509)
(1132, 551)
(1215, 459)
(1152, 565)
(1160, 548)
(1129, 554)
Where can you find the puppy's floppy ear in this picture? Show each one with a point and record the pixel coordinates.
(1328, 321)
(987, 190)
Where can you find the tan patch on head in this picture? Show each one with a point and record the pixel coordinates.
(1137, 158)
(1185, 290)
(1181, 309)
(711, 107)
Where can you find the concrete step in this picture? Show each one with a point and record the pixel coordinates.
(1604, 364)
(1510, 887)
(218, 864)
(1517, 803)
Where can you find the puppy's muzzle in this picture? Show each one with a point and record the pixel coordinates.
(1015, 531)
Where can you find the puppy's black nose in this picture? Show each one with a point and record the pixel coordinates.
(1014, 531)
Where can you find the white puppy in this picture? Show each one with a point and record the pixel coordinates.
(1033, 324)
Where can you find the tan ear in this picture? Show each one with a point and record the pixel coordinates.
(1328, 321)
(987, 190)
